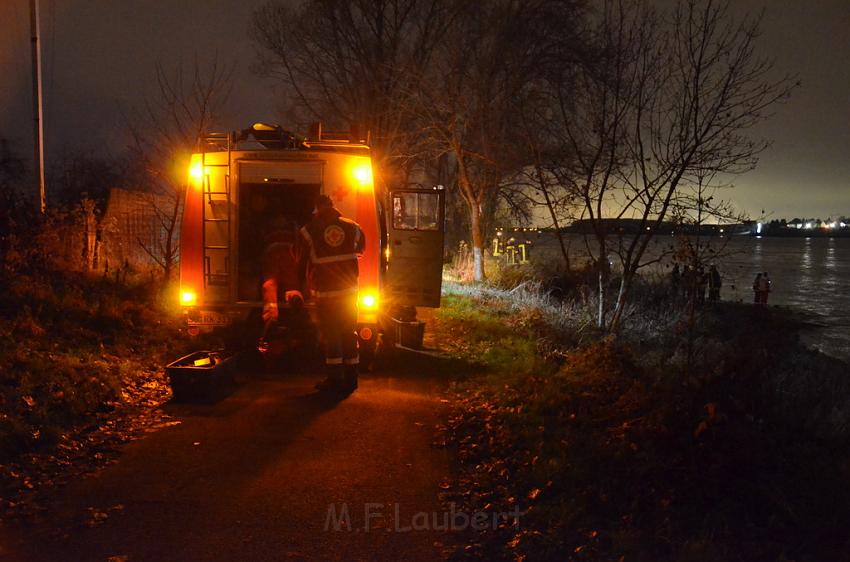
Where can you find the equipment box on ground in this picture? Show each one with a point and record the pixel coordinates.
(202, 375)
(408, 334)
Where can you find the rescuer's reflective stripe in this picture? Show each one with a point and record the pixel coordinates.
(330, 259)
(357, 232)
(339, 293)
(333, 361)
(352, 361)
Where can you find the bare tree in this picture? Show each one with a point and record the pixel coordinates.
(77, 174)
(488, 67)
(432, 79)
(543, 182)
(668, 102)
(700, 215)
(165, 131)
(355, 63)
(536, 188)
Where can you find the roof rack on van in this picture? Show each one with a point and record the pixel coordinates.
(272, 137)
(353, 136)
(275, 137)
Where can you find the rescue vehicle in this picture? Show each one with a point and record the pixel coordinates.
(240, 181)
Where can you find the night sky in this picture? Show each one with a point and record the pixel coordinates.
(99, 58)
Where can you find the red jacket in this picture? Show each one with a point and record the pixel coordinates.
(331, 244)
(280, 266)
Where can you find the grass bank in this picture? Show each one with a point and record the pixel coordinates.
(729, 444)
(78, 355)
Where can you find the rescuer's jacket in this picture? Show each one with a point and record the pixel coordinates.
(280, 270)
(331, 245)
(280, 262)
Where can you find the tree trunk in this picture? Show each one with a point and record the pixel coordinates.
(470, 195)
(617, 315)
(604, 275)
(477, 242)
(600, 320)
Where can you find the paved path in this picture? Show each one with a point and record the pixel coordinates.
(253, 478)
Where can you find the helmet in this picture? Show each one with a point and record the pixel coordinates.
(323, 201)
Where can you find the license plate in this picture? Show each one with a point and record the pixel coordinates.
(210, 318)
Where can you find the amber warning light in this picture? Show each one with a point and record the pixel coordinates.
(188, 297)
(362, 174)
(196, 171)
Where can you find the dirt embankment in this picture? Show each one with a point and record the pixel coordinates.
(81, 370)
(723, 441)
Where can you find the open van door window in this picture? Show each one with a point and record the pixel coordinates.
(416, 210)
(415, 268)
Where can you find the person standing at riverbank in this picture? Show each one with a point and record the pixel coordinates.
(757, 289)
(700, 283)
(764, 288)
(675, 280)
(688, 283)
(714, 284)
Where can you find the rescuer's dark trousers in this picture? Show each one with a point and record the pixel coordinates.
(338, 326)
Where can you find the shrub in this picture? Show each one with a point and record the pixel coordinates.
(68, 343)
(614, 449)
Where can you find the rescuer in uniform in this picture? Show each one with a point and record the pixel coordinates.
(331, 244)
(280, 268)
(282, 282)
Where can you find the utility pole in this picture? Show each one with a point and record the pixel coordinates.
(37, 109)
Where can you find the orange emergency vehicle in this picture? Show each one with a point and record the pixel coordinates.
(240, 182)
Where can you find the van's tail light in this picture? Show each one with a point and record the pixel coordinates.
(368, 300)
(188, 297)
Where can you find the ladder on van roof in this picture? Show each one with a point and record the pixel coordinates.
(217, 225)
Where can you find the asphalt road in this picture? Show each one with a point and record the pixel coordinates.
(255, 476)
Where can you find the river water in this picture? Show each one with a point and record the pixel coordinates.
(809, 275)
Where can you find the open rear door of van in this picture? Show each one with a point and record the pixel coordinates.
(415, 242)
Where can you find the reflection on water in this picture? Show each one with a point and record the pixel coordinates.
(830, 255)
(808, 274)
(806, 262)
